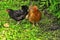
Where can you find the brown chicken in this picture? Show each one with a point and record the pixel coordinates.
(34, 15)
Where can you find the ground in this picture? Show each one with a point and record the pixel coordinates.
(25, 31)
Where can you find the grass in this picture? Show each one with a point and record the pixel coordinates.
(25, 30)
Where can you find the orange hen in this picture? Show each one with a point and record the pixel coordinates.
(34, 15)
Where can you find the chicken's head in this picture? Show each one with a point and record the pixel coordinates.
(35, 8)
(9, 10)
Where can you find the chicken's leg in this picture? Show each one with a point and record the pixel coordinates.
(33, 24)
(18, 22)
(37, 24)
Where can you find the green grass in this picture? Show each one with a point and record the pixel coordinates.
(25, 30)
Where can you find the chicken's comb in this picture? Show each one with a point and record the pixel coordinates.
(35, 7)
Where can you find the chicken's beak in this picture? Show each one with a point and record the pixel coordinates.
(7, 11)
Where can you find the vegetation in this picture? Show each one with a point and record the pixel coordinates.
(25, 31)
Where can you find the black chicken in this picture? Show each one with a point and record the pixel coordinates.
(18, 15)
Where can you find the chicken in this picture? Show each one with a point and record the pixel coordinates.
(34, 15)
(18, 15)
